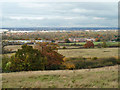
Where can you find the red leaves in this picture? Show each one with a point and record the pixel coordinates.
(89, 44)
(48, 50)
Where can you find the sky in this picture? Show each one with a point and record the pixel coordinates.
(59, 14)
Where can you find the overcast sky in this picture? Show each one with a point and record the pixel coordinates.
(59, 14)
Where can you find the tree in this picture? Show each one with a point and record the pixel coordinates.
(27, 59)
(54, 59)
(67, 40)
(89, 44)
(104, 44)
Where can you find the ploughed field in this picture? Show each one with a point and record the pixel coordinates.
(105, 77)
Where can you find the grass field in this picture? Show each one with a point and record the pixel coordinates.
(96, 52)
(106, 77)
(14, 47)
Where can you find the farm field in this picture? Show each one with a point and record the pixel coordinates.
(14, 47)
(106, 77)
(96, 52)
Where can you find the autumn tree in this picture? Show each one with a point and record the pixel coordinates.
(27, 59)
(67, 40)
(54, 59)
(89, 44)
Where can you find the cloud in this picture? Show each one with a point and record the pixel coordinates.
(99, 18)
(79, 10)
(59, 14)
(33, 5)
(28, 18)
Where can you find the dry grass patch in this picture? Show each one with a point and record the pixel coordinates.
(106, 77)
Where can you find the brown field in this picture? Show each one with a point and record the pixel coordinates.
(106, 77)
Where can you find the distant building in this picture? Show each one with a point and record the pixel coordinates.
(58, 41)
(92, 39)
(80, 39)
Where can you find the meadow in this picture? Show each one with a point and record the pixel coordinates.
(106, 77)
(103, 77)
(76, 51)
(96, 52)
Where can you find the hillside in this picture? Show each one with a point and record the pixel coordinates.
(105, 77)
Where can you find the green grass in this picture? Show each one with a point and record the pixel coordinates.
(106, 77)
(93, 52)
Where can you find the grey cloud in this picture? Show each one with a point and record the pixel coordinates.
(58, 14)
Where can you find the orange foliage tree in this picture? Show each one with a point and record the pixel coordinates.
(89, 44)
(49, 50)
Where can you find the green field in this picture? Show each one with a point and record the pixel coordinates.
(106, 77)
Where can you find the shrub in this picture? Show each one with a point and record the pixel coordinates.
(69, 66)
(64, 47)
(94, 58)
(67, 40)
(5, 60)
(54, 67)
(104, 44)
(99, 45)
(82, 64)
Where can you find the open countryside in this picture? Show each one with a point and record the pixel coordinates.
(59, 45)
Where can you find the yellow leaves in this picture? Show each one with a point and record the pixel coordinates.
(69, 65)
(65, 59)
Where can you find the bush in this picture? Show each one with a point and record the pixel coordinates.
(67, 41)
(54, 67)
(69, 66)
(104, 44)
(64, 47)
(99, 45)
(84, 64)
(5, 60)
(94, 58)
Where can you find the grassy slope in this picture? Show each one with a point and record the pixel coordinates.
(106, 77)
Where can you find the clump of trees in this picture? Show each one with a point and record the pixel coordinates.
(67, 41)
(26, 59)
(43, 57)
(54, 59)
(89, 44)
